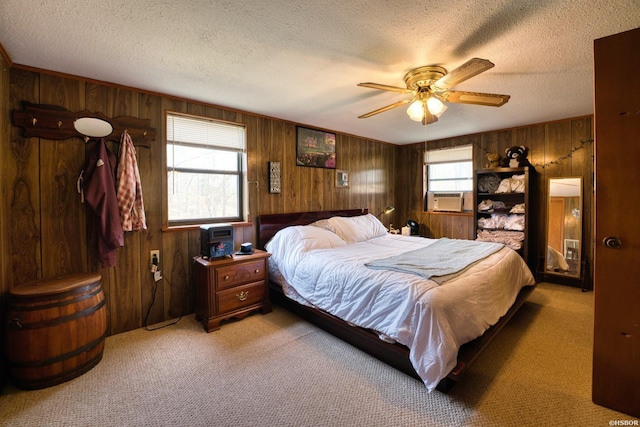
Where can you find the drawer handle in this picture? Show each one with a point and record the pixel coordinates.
(257, 271)
(242, 295)
(227, 277)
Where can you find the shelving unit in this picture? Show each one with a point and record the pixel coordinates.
(492, 221)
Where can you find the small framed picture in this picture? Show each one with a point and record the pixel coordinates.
(342, 179)
(315, 148)
(274, 177)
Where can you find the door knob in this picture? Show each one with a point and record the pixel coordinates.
(612, 242)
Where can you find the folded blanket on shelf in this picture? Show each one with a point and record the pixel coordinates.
(505, 222)
(511, 239)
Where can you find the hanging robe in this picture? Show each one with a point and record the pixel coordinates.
(98, 186)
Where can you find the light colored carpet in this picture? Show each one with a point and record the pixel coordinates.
(277, 370)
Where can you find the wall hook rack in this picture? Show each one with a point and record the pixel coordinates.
(54, 122)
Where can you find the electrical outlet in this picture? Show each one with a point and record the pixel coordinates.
(156, 254)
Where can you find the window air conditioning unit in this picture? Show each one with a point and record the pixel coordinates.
(450, 202)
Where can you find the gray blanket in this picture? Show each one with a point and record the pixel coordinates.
(440, 260)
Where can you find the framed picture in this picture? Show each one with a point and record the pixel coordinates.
(274, 177)
(342, 179)
(315, 148)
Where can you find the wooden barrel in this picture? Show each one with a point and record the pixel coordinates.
(55, 329)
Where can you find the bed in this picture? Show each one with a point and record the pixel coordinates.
(457, 315)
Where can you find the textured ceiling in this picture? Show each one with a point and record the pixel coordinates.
(301, 60)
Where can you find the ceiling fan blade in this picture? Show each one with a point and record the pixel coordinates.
(385, 87)
(488, 99)
(387, 108)
(471, 68)
(429, 118)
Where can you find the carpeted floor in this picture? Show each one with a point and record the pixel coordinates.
(277, 370)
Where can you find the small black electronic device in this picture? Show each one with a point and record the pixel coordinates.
(415, 227)
(216, 240)
(245, 249)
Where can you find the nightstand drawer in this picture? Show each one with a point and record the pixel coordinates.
(241, 296)
(237, 274)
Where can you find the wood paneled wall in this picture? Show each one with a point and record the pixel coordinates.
(5, 271)
(5, 260)
(43, 228)
(43, 225)
(556, 149)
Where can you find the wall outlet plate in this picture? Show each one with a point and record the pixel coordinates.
(153, 253)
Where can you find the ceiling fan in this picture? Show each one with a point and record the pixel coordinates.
(429, 86)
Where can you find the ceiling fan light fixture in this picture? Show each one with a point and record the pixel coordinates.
(416, 111)
(435, 106)
(417, 108)
(430, 86)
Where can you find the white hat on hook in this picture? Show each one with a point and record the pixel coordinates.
(93, 127)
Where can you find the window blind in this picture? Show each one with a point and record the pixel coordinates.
(187, 130)
(448, 155)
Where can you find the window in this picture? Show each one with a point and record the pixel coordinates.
(449, 169)
(206, 166)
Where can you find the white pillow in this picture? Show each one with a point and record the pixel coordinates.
(356, 229)
(302, 238)
(555, 260)
(290, 245)
(324, 223)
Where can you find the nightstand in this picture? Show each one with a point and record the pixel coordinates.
(230, 287)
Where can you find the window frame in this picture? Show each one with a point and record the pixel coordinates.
(240, 172)
(454, 159)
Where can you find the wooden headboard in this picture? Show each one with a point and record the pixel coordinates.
(269, 225)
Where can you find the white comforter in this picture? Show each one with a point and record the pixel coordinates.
(432, 320)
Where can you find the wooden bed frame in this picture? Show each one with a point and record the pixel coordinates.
(396, 355)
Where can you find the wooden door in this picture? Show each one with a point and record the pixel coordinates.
(616, 345)
(555, 233)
